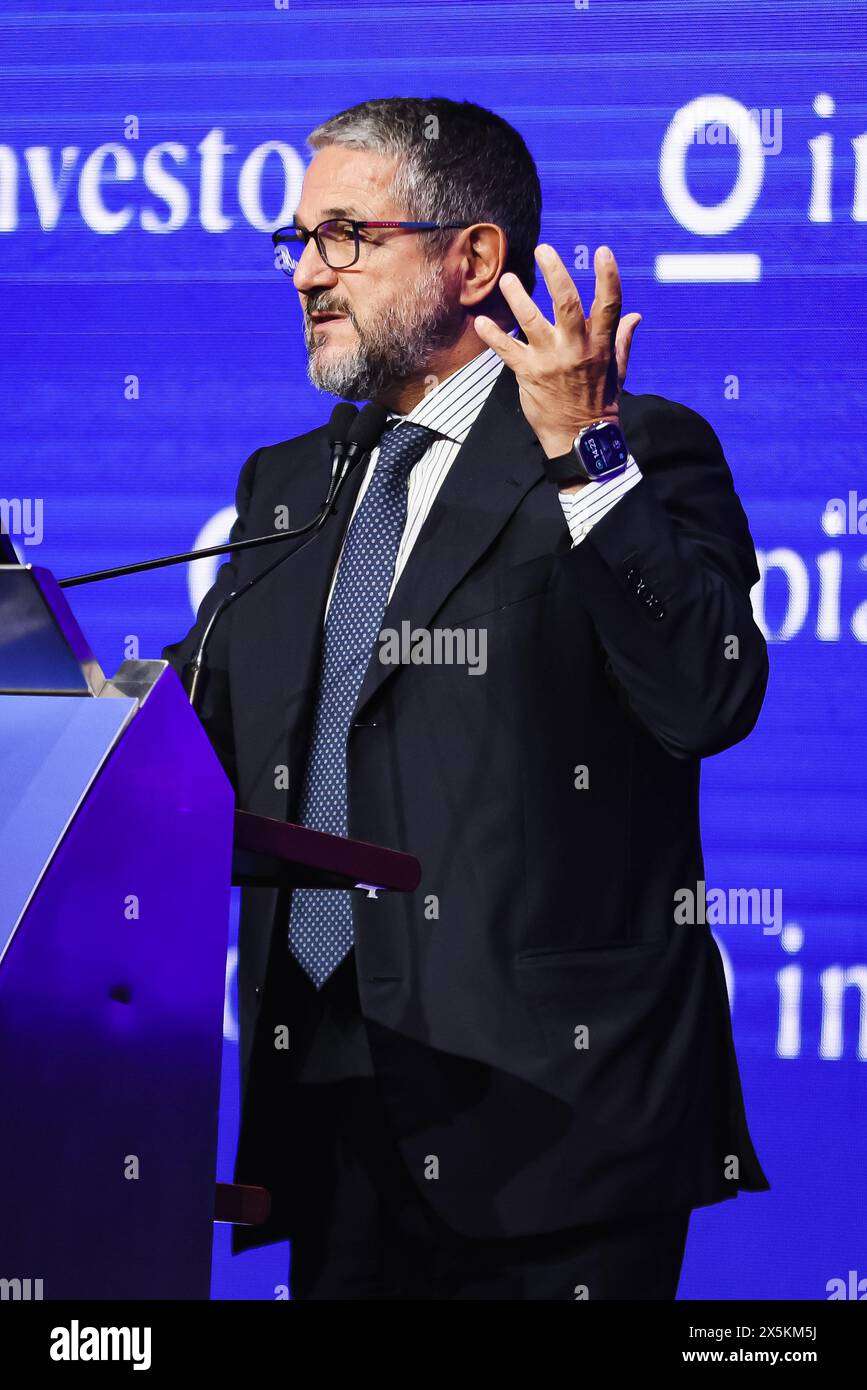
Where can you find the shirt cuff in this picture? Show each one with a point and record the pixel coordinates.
(582, 509)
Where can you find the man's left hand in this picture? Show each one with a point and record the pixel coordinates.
(570, 372)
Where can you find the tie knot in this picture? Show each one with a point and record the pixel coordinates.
(403, 445)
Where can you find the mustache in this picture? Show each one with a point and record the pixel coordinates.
(324, 304)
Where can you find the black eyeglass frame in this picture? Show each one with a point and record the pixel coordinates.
(282, 235)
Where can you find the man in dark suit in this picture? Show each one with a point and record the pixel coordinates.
(517, 1081)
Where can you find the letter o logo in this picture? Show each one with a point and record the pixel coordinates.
(721, 217)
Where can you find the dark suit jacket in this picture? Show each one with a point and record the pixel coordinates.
(544, 907)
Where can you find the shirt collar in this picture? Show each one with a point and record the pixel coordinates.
(450, 409)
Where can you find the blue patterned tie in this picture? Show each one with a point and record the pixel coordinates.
(320, 919)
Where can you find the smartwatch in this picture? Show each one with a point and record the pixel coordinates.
(598, 452)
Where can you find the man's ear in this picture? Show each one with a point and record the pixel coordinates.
(483, 250)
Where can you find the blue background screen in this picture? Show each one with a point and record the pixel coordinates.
(150, 346)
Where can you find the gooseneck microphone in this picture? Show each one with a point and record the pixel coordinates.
(351, 434)
(340, 426)
(362, 436)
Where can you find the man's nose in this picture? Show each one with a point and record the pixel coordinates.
(312, 272)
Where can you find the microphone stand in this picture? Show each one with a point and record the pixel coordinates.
(343, 455)
(363, 435)
(195, 672)
(352, 434)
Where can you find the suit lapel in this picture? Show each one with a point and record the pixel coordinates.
(280, 635)
(499, 461)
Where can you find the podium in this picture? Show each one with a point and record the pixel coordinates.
(119, 843)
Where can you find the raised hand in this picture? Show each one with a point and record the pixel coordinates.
(570, 372)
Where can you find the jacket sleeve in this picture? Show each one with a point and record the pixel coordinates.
(215, 710)
(666, 578)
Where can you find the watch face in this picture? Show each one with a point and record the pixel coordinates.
(603, 450)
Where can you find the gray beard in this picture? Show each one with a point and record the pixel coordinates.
(397, 346)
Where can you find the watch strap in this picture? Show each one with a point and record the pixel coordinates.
(564, 470)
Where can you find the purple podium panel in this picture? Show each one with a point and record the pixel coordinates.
(51, 750)
(111, 1003)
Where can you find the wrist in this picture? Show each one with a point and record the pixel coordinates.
(598, 452)
(555, 444)
(560, 440)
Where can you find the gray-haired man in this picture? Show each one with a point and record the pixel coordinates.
(519, 1080)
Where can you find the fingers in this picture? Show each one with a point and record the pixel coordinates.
(507, 347)
(566, 301)
(533, 322)
(623, 344)
(602, 324)
(607, 301)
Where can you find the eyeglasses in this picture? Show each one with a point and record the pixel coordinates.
(338, 239)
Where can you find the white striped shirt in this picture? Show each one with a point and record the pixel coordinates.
(451, 409)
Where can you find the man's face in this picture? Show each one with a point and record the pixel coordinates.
(376, 323)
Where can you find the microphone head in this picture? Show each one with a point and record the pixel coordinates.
(367, 428)
(342, 417)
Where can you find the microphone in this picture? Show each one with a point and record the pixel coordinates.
(364, 433)
(362, 436)
(343, 416)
